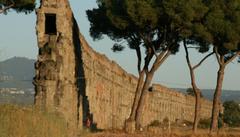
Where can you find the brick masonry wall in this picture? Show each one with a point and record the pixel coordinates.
(110, 91)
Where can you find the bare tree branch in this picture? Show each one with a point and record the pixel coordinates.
(7, 7)
(159, 60)
(216, 53)
(193, 47)
(196, 66)
(138, 51)
(187, 54)
(233, 57)
(154, 51)
(148, 59)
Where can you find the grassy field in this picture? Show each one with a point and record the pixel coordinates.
(202, 133)
(19, 121)
(16, 121)
(175, 131)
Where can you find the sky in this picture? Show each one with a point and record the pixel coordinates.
(18, 38)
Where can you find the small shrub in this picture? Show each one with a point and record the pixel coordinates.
(231, 113)
(204, 123)
(154, 123)
(165, 120)
(188, 123)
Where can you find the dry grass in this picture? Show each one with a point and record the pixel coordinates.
(18, 121)
(161, 133)
(110, 134)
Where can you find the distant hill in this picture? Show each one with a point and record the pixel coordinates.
(17, 72)
(226, 94)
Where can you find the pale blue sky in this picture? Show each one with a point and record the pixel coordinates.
(18, 38)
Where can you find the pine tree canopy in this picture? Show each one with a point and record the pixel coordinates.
(148, 22)
(222, 21)
(25, 6)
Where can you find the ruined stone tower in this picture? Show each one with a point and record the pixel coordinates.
(56, 68)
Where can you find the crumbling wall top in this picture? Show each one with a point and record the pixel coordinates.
(102, 59)
(55, 3)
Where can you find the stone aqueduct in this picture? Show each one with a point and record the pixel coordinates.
(74, 80)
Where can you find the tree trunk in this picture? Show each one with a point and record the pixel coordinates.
(130, 126)
(197, 101)
(216, 99)
(137, 96)
(148, 79)
(197, 110)
(6, 8)
(142, 100)
(149, 76)
(195, 88)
